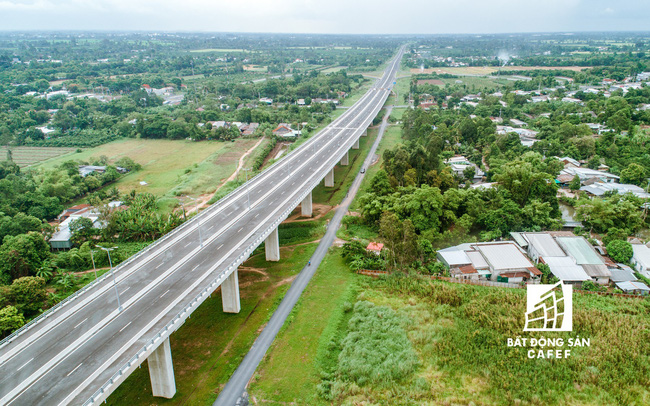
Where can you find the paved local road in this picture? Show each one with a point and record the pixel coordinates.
(236, 386)
(87, 343)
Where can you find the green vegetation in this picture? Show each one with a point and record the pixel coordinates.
(459, 333)
(210, 345)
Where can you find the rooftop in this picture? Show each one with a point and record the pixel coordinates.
(565, 269)
(580, 250)
(504, 256)
(544, 244)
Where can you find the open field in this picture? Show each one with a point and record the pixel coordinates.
(488, 70)
(169, 167)
(458, 334)
(26, 156)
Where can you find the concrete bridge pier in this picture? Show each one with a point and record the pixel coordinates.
(329, 178)
(356, 144)
(230, 293)
(272, 246)
(305, 206)
(346, 159)
(364, 133)
(161, 371)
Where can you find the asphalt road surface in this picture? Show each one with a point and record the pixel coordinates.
(82, 349)
(234, 391)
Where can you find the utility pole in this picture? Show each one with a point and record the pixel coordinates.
(108, 251)
(92, 257)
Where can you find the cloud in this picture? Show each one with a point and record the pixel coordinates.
(329, 16)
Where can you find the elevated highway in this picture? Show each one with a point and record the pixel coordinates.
(81, 350)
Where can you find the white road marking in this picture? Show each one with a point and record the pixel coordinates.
(165, 293)
(80, 323)
(220, 246)
(256, 215)
(185, 246)
(127, 288)
(59, 356)
(240, 229)
(75, 369)
(23, 365)
(127, 325)
(159, 265)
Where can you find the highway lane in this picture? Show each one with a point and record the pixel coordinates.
(234, 389)
(49, 366)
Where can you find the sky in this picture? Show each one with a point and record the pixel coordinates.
(328, 16)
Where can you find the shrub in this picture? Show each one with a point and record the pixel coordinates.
(620, 251)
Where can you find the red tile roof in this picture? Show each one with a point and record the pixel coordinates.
(375, 246)
(467, 269)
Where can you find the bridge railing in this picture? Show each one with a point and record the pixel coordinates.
(52, 311)
(175, 322)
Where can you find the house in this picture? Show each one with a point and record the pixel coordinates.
(622, 274)
(249, 129)
(375, 247)
(600, 188)
(641, 259)
(568, 161)
(518, 123)
(62, 237)
(542, 245)
(565, 269)
(285, 130)
(507, 263)
(633, 287)
(502, 261)
(85, 170)
(586, 256)
(585, 174)
(266, 100)
(78, 209)
(459, 163)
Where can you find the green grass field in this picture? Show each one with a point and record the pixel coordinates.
(459, 335)
(27, 156)
(168, 167)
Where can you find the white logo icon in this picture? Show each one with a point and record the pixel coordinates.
(549, 307)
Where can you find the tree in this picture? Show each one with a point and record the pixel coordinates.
(468, 173)
(620, 251)
(22, 255)
(634, 174)
(10, 320)
(575, 183)
(82, 229)
(28, 294)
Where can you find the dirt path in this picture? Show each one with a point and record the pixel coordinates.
(319, 210)
(202, 200)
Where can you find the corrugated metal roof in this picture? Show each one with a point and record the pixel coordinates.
(628, 286)
(641, 254)
(519, 239)
(580, 250)
(596, 271)
(544, 244)
(477, 259)
(454, 258)
(621, 275)
(565, 269)
(504, 256)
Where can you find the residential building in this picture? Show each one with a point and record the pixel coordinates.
(633, 287)
(565, 269)
(600, 188)
(375, 247)
(586, 256)
(622, 273)
(641, 259)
